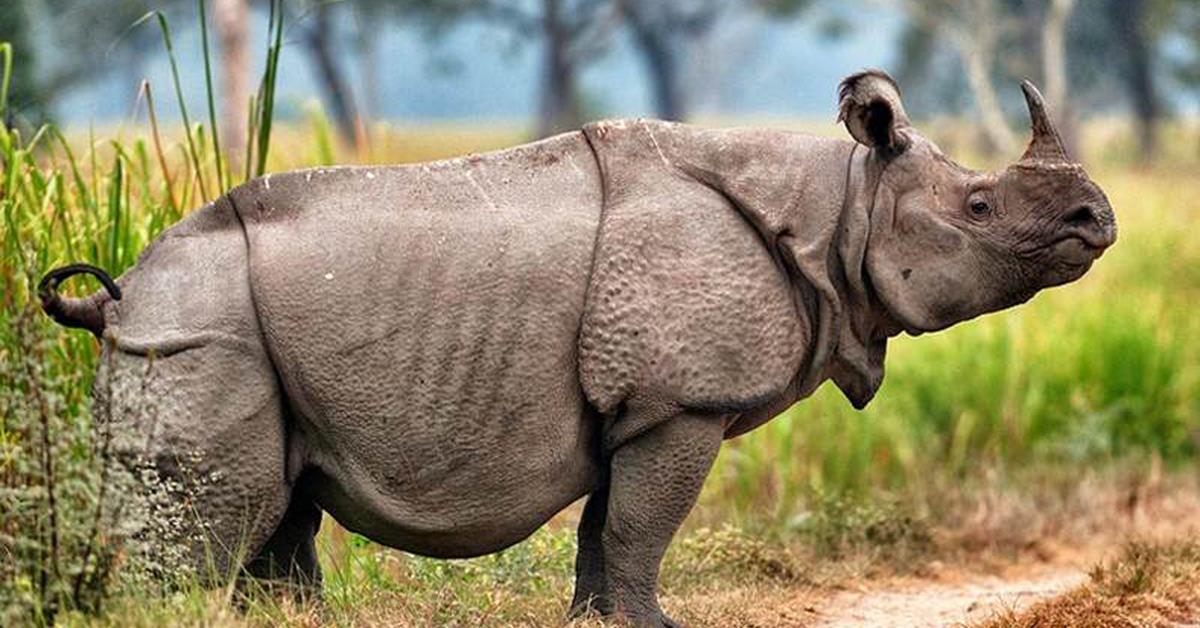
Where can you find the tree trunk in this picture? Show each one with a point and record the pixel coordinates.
(559, 106)
(1129, 23)
(976, 55)
(232, 21)
(1054, 71)
(973, 28)
(653, 42)
(318, 39)
(368, 64)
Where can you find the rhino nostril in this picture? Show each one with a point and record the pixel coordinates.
(1080, 216)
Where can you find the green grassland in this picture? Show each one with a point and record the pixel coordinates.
(1096, 383)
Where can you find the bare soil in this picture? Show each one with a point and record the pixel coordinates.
(922, 603)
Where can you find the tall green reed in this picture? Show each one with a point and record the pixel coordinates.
(101, 202)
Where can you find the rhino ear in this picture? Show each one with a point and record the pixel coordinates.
(869, 104)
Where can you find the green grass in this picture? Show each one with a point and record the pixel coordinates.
(1096, 375)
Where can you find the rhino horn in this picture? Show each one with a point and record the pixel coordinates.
(1045, 146)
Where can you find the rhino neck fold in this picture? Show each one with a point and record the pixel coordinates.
(810, 198)
(857, 367)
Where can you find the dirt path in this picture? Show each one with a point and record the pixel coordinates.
(921, 603)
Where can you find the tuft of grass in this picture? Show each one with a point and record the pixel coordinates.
(6, 51)
(840, 525)
(189, 134)
(731, 555)
(209, 91)
(1149, 584)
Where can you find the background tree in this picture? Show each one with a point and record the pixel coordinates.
(96, 38)
(1053, 41)
(572, 33)
(24, 96)
(321, 36)
(667, 35)
(371, 18)
(974, 30)
(1187, 67)
(1133, 33)
(90, 39)
(663, 31)
(231, 22)
(1054, 70)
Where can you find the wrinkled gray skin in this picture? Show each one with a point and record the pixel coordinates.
(443, 356)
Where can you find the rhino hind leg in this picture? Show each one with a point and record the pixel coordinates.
(187, 380)
(209, 422)
(656, 478)
(289, 557)
(590, 587)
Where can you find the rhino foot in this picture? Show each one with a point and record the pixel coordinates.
(591, 594)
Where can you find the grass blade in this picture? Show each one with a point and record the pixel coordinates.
(7, 52)
(251, 132)
(212, 108)
(266, 98)
(168, 180)
(187, 124)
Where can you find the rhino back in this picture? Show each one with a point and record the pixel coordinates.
(424, 320)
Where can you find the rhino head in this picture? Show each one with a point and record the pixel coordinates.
(948, 243)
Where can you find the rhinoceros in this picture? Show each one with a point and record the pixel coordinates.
(444, 355)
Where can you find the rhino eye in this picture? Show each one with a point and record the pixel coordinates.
(980, 208)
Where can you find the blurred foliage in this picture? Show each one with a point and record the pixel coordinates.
(1187, 68)
(77, 41)
(24, 97)
(1116, 49)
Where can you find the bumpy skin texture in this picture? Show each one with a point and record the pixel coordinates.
(185, 368)
(442, 356)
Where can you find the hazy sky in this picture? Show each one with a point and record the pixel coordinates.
(478, 72)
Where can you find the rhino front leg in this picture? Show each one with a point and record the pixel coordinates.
(590, 593)
(656, 477)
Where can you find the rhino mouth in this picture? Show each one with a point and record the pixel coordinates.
(1070, 258)
(1078, 250)
(1071, 249)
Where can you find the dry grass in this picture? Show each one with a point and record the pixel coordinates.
(1149, 584)
(733, 575)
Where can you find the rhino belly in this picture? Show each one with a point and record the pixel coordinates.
(426, 337)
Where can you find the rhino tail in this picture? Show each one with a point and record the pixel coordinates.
(82, 313)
